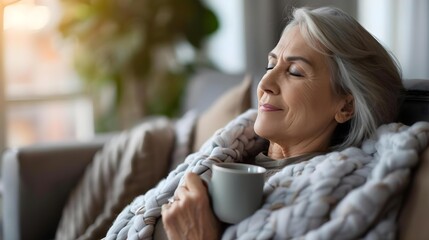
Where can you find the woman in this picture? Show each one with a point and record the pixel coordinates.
(329, 84)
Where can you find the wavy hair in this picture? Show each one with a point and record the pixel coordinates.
(359, 66)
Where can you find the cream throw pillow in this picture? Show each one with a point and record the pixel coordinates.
(126, 167)
(231, 104)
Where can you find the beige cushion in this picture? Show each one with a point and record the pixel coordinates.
(126, 167)
(414, 217)
(231, 104)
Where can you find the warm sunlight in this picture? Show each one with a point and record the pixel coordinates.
(26, 16)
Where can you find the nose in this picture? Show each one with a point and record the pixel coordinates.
(269, 83)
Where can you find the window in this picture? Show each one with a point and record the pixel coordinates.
(229, 39)
(43, 96)
(402, 27)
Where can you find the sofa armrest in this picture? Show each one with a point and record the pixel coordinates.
(414, 215)
(37, 181)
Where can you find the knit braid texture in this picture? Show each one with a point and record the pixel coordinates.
(354, 193)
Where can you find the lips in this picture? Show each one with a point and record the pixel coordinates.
(268, 107)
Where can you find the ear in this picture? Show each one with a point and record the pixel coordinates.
(347, 109)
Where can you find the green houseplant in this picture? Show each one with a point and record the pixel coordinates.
(132, 47)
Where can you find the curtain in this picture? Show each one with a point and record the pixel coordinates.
(403, 27)
(413, 38)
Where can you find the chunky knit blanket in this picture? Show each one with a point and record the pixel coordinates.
(354, 193)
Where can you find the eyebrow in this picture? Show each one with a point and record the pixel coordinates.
(292, 58)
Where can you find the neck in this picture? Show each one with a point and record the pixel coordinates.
(281, 150)
(277, 152)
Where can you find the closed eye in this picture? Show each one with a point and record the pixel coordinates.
(295, 74)
(293, 71)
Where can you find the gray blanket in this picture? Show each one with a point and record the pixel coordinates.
(350, 194)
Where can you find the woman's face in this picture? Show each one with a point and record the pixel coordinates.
(297, 105)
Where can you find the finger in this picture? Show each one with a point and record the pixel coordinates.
(181, 193)
(193, 187)
(194, 182)
(164, 208)
(172, 233)
(171, 229)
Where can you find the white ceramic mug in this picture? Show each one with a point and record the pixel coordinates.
(236, 190)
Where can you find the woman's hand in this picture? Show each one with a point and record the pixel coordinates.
(190, 215)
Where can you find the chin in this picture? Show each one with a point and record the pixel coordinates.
(260, 127)
(267, 128)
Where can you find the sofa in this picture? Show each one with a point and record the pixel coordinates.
(74, 190)
(39, 180)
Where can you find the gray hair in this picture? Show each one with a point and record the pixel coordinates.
(360, 66)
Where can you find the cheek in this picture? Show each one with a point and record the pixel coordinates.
(309, 96)
(310, 99)
(297, 98)
(259, 92)
(305, 104)
(319, 104)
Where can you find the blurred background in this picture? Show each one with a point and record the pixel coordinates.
(71, 69)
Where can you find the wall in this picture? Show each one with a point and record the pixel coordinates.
(265, 20)
(401, 26)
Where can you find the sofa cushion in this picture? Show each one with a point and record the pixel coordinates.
(184, 129)
(123, 169)
(231, 104)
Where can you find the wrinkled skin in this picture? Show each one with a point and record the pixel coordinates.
(190, 216)
(298, 112)
(298, 109)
